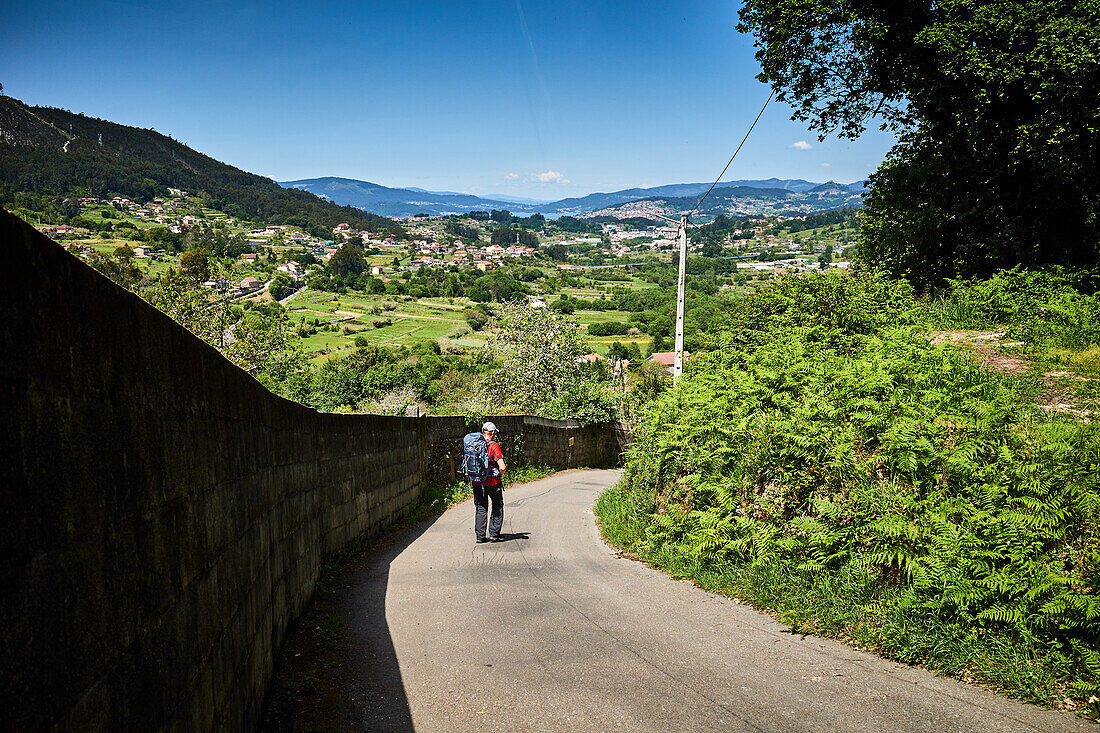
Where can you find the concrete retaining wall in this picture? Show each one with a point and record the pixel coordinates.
(164, 517)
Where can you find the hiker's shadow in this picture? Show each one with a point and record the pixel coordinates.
(509, 536)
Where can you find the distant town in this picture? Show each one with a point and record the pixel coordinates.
(427, 243)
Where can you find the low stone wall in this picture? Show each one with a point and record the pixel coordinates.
(165, 517)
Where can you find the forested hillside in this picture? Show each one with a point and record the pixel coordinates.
(54, 152)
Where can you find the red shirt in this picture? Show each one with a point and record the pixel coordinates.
(495, 454)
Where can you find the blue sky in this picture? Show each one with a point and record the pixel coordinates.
(538, 99)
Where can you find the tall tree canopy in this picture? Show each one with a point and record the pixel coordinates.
(997, 107)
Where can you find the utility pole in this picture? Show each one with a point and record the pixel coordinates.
(678, 365)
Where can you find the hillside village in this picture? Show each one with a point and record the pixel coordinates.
(426, 279)
(426, 242)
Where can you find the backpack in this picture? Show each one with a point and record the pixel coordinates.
(475, 457)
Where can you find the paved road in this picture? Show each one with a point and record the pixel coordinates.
(550, 631)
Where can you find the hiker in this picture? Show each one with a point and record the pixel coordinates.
(486, 484)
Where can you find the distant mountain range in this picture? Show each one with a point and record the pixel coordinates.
(745, 197)
(52, 151)
(377, 199)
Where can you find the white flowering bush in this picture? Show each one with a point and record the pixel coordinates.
(539, 367)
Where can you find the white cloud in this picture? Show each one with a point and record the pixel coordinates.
(550, 177)
(800, 145)
(512, 176)
(826, 165)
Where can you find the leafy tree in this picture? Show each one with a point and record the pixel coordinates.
(119, 266)
(616, 352)
(537, 350)
(579, 226)
(372, 378)
(499, 286)
(563, 305)
(505, 237)
(712, 247)
(457, 229)
(475, 318)
(348, 260)
(163, 237)
(996, 104)
(479, 293)
(281, 286)
(195, 264)
(260, 344)
(188, 305)
(256, 340)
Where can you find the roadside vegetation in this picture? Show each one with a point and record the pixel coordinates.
(915, 474)
(833, 464)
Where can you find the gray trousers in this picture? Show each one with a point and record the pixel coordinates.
(482, 496)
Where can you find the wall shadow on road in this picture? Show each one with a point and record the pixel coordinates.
(339, 670)
(379, 702)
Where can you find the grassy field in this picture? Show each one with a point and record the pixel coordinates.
(354, 315)
(600, 344)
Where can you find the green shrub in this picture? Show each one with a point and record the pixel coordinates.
(1043, 308)
(825, 445)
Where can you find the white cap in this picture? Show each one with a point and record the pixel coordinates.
(488, 428)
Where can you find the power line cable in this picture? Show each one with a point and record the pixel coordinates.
(735, 152)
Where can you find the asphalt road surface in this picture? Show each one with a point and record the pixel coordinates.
(550, 631)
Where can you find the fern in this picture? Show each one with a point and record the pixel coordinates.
(855, 449)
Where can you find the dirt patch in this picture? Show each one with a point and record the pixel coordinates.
(985, 345)
(971, 338)
(1056, 394)
(1068, 409)
(1067, 375)
(995, 361)
(1059, 394)
(964, 337)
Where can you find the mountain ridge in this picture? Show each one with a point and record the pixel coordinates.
(393, 201)
(48, 151)
(52, 151)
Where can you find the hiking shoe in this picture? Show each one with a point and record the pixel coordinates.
(482, 539)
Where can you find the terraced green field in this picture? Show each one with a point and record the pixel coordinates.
(354, 313)
(410, 322)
